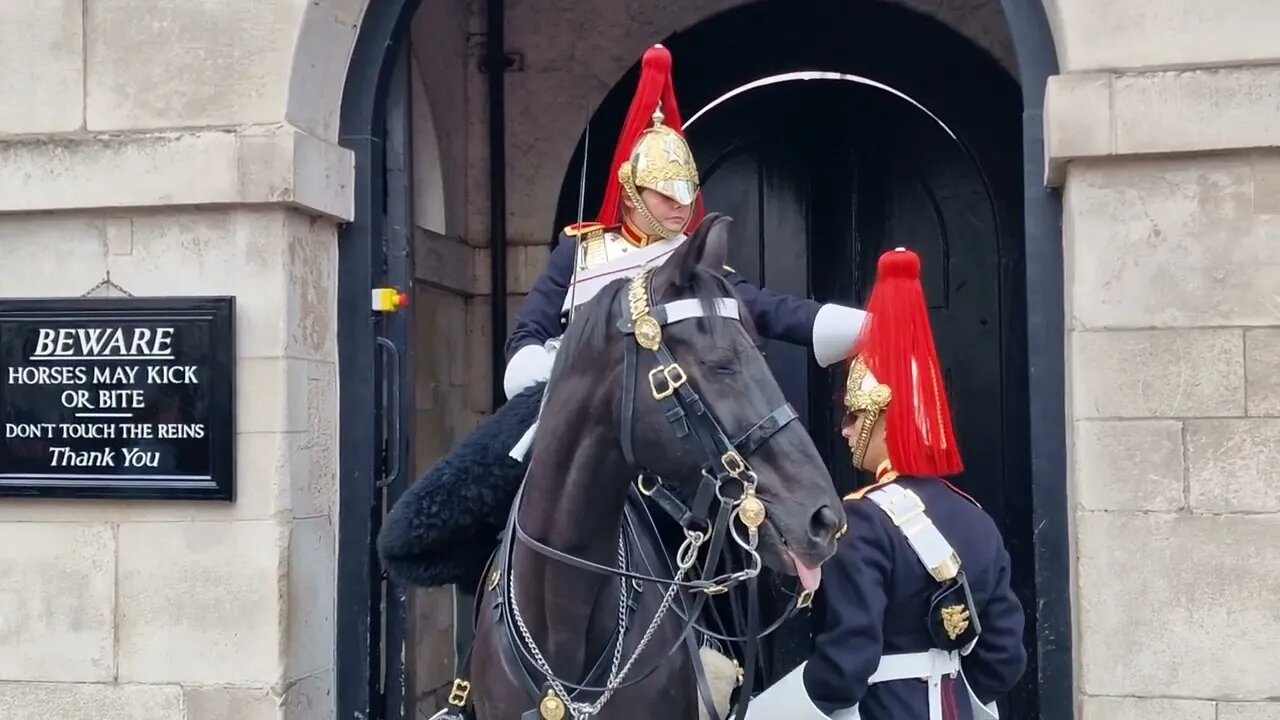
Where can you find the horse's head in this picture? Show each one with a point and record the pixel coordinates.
(700, 408)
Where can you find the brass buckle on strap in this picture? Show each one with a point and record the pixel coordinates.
(673, 374)
(733, 463)
(458, 695)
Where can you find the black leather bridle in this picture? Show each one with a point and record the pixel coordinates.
(725, 478)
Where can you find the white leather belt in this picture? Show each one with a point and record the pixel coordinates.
(921, 665)
(930, 666)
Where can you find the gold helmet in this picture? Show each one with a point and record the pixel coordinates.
(652, 153)
(661, 161)
(865, 395)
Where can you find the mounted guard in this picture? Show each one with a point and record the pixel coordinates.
(918, 619)
(443, 529)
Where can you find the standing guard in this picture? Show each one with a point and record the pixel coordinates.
(920, 620)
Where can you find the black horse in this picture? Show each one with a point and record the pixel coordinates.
(659, 398)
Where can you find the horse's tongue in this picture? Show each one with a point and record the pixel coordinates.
(810, 578)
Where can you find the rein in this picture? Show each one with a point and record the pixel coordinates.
(725, 478)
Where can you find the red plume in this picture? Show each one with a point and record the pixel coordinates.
(655, 84)
(897, 339)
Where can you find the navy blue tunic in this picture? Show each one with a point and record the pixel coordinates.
(776, 316)
(875, 598)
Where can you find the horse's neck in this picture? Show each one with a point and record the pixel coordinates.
(573, 502)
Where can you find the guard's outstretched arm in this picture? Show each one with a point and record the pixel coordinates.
(829, 329)
(528, 361)
(998, 659)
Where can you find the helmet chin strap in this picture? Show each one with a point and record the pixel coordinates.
(655, 227)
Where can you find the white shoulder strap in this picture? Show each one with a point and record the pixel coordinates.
(906, 510)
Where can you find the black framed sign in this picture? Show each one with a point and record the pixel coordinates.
(118, 397)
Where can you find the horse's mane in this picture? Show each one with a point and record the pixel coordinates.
(593, 324)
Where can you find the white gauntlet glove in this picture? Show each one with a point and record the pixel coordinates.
(835, 331)
(531, 364)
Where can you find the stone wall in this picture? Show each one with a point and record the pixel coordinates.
(1172, 241)
(205, 611)
(147, 148)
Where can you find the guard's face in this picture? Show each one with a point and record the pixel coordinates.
(851, 426)
(672, 214)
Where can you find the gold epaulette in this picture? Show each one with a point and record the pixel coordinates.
(889, 475)
(585, 230)
(860, 493)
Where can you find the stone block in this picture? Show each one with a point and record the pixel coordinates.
(321, 45)
(97, 701)
(1169, 243)
(312, 579)
(1129, 465)
(527, 262)
(1249, 711)
(1231, 465)
(1266, 182)
(1262, 371)
(443, 337)
(214, 587)
(273, 164)
(57, 604)
(225, 63)
(479, 354)
(240, 253)
(448, 263)
(231, 703)
(313, 465)
(311, 698)
(1178, 111)
(1157, 373)
(271, 395)
(1097, 34)
(1077, 119)
(43, 53)
(1132, 708)
(431, 635)
(1185, 578)
(311, 295)
(30, 240)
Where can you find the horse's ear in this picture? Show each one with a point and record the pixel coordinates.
(708, 247)
(715, 251)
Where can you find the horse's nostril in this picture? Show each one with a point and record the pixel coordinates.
(823, 524)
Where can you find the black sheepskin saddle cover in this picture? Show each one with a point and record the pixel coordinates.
(442, 530)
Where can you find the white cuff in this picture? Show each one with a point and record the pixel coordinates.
(786, 699)
(531, 364)
(835, 331)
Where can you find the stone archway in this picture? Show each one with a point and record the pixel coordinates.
(381, 34)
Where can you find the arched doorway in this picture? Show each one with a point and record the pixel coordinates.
(822, 175)
(1030, 297)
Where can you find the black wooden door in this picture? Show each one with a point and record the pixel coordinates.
(820, 178)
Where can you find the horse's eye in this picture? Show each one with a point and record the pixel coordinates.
(723, 366)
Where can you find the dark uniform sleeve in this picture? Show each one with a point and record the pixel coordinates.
(848, 646)
(998, 659)
(777, 316)
(539, 317)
